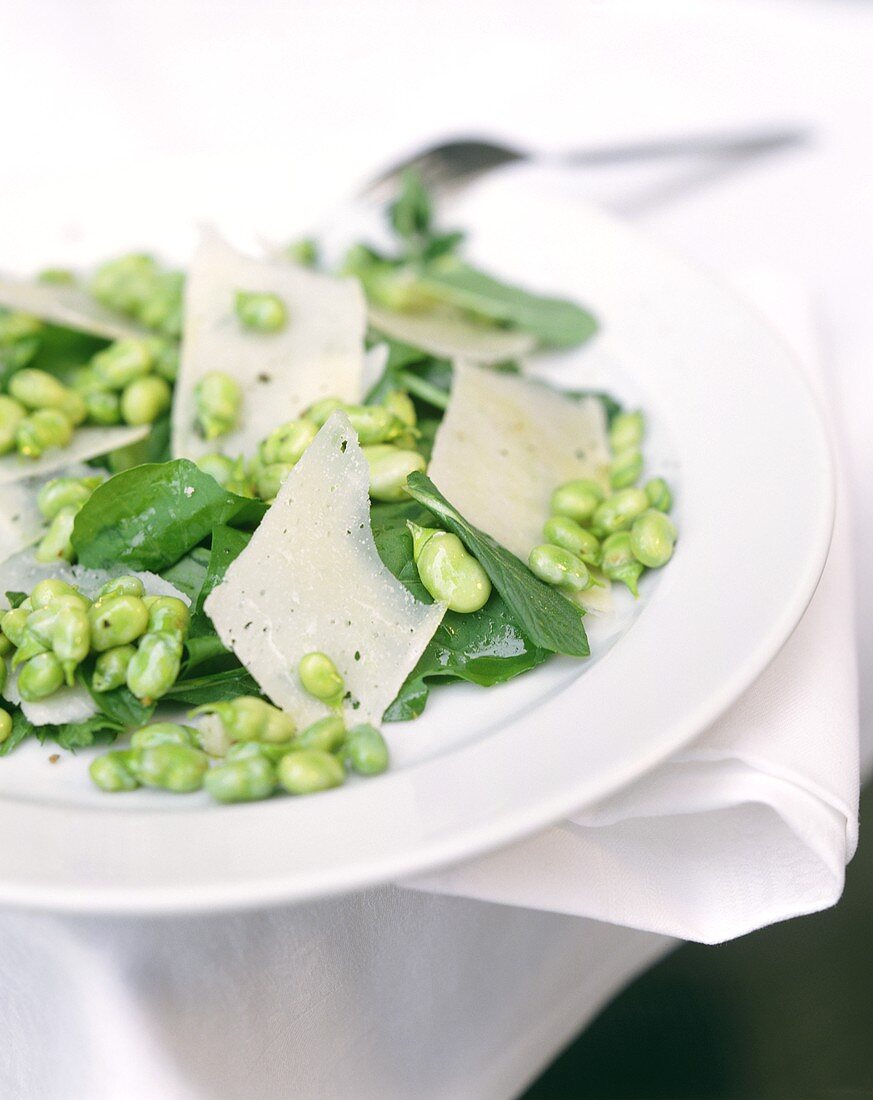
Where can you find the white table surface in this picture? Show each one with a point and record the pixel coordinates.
(395, 993)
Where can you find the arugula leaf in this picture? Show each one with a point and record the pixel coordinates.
(227, 544)
(549, 620)
(411, 218)
(70, 735)
(16, 598)
(151, 516)
(487, 647)
(213, 688)
(119, 706)
(555, 322)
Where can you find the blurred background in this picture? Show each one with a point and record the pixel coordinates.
(267, 114)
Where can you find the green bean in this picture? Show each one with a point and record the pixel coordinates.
(62, 492)
(241, 780)
(303, 252)
(41, 430)
(265, 313)
(402, 406)
(111, 771)
(245, 750)
(218, 466)
(652, 538)
(117, 620)
(38, 634)
(14, 624)
(71, 639)
(626, 468)
(41, 676)
(45, 592)
(145, 399)
(86, 380)
(619, 563)
(306, 771)
(37, 389)
(658, 492)
(56, 276)
(218, 399)
(161, 309)
(6, 646)
(11, 415)
(169, 767)
(167, 362)
(17, 326)
(559, 567)
(389, 469)
(448, 571)
(57, 543)
(110, 669)
(125, 585)
(155, 666)
(268, 479)
(4, 673)
(618, 512)
(626, 431)
(118, 365)
(577, 499)
(248, 718)
(374, 423)
(168, 613)
(326, 734)
(162, 733)
(103, 407)
(123, 283)
(566, 532)
(365, 750)
(288, 442)
(321, 678)
(5, 720)
(320, 412)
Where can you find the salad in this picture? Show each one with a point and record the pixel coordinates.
(255, 510)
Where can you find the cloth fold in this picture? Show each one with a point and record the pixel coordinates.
(753, 822)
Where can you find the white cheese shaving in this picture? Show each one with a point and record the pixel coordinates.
(319, 353)
(504, 446)
(67, 306)
(22, 573)
(87, 442)
(311, 579)
(444, 333)
(21, 522)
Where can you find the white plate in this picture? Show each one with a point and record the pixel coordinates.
(739, 434)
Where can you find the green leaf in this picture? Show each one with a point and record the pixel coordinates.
(21, 730)
(16, 598)
(120, 706)
(97, 729)
(547, 618)
(487, 647)
(213, 688)
(151, 516)
(410, 213)
(555, 322)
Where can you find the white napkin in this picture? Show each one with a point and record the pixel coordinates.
(753, 822)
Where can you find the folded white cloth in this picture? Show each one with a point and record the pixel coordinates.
(753, 822)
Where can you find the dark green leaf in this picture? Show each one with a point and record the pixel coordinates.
(21, 730)
(151, 516)
(213, 688)
(16, 598)
(410, 213)
(546, 617)
(120, 706)
(70, 735)
(555, 322)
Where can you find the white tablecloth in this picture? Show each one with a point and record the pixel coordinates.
(392, 992)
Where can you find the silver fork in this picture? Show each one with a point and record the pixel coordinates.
(450, 164)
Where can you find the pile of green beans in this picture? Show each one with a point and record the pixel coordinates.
(593, 534)
(387, 434)
(129, 382)
(59, 502)
(219, 401)
(137, 286)
(38, 412)
(137, 640)
(243, 750)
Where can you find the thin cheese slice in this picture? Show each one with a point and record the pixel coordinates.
(319, 353)
(21, 522)
(446, 334)
(87, 442)
(68, 306)
(21, 573)
(311, 579)
(504, 446)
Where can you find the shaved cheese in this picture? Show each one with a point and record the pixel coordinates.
(87, 442)
(21, 522)
(319, 353)
(448, 335)
(68, 306)
(22, 573)
(312, 579)
(506, 443)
